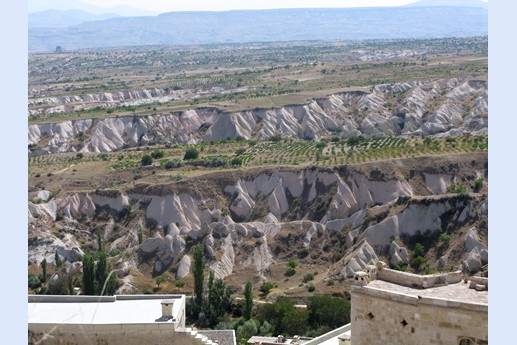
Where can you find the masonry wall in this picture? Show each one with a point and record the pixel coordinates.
(126, 334)
(380, 317)
(417, 280)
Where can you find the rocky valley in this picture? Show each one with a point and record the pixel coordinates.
(336, 156)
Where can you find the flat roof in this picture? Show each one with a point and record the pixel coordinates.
(222, 337)
(120, 310)
(459, 292)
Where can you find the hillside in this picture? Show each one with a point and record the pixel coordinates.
(182, 28)
(333, 221)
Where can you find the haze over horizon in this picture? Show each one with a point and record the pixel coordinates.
(154, 7)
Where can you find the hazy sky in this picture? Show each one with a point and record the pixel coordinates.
(160, 6)
(168, 5)
(208, 5)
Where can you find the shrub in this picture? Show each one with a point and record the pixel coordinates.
(156, 154)
(191, 153)
(458, 188)
(290, 272)
(322, 144)
(303, 252)
(159, 280)
(308, 277)
(401, 266)
(240, 151)
(292, 263)
(236, 161)
(34, 282)
(311, 288)
(266, 287)
(275, 138)
(445, 238)
(179, 283)
(172, 164)
(146, 160)
(478, 184)
(354, 140)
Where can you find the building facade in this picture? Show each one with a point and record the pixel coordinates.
(392, 307)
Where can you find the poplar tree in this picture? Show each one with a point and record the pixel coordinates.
(199, 274)
(44, 268)
(88, 275)
(248, 300)
(101, 273)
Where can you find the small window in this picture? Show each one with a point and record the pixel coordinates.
(403, 323)
(466, 341)
(370, 316)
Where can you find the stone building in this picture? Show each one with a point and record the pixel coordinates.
(393, 307)
(131, 319)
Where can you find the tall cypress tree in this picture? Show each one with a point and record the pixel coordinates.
(44, 268)
(199, 274)
(88, 275)
(57, 260)
(101, 273)
(248, 300)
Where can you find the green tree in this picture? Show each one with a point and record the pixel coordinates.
(308, 277)
(60, 285)
(101, 272)
(146, 160)
(44, 269)
(478, 184)
(266, 287)
(191, 153)
(275, 138)
(99, 239)
(57, 260)
(236, 161)
(325, 310)
(246, 331)
(219, 301)
(34, 281)
(248, 300)
(160, 279)
(292, 263)
(294, 322)
(198, 271)
(157, 154)
(88, 275)
(418, 256)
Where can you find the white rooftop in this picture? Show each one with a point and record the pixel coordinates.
(120, 310)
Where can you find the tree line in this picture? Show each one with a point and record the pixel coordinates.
(215, 307)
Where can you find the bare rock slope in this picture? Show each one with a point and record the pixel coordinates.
(244, 219)
(431, 107)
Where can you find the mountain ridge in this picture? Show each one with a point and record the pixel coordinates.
(241, 26)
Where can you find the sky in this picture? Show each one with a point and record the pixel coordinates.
(161, 6)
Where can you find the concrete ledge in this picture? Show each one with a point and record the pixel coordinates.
(441, 302)
(419, 281)
(146, 297)
(70, 299)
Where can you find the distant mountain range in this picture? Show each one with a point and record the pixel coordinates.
(469, 18)
(62, 19)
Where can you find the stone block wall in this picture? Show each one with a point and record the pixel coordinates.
(419, 281)
(381, 317)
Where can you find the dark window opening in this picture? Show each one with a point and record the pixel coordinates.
(403, 323)
(370, 316)
(466, 341)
